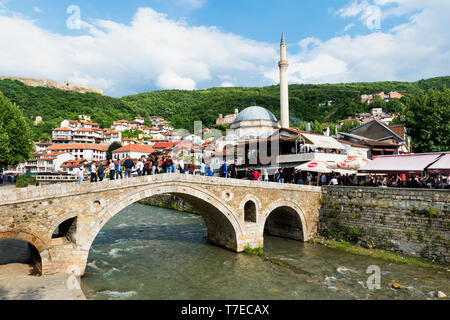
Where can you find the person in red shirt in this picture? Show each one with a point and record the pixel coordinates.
(256, 175)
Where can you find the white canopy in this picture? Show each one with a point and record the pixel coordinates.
(324, 142)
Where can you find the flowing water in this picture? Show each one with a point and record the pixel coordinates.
(159, 254)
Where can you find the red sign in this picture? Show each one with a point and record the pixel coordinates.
(313, 165)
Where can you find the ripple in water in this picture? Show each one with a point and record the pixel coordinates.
(159, 254)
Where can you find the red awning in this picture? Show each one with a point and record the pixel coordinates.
(407, 164)
(441, 166)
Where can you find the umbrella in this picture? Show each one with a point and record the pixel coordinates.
(315, 166)
(351, 163)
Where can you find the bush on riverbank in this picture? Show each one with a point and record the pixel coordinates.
(25, 181)
(375, 253)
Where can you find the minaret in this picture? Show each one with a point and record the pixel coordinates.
(284, 87)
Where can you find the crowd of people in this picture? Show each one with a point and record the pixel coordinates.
(145, 166)
(152, 165)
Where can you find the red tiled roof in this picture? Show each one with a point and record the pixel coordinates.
(77, 146)
(163, 145)
(86, 130)
(62, 129)
(135, 148)
(54, 154)
(73, 163)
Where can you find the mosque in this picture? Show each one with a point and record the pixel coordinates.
(258, 122)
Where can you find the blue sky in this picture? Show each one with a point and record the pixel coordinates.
(126, 47)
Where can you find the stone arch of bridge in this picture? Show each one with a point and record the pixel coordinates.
(224, 228)
(291, 208)
(38, 243)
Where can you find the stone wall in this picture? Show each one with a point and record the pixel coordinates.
(414, 222)
(170, 202)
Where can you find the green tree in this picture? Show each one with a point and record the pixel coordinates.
(427, 118)
(349, 125)
(378, 102)
(114, 146)
(318, 127)
(15, 135)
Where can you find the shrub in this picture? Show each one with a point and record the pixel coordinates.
(24, 181)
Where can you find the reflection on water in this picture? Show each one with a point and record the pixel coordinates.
(158, 254)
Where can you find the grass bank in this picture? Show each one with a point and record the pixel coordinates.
(384, 255)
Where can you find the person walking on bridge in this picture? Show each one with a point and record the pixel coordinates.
(112, 170)
(118, 168)
(93, 172)
(128, 164)
(80, 174)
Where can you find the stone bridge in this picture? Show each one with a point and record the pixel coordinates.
(61, 221)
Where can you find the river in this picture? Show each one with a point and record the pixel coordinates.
(158, 254)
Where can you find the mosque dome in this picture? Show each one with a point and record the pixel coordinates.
(255, 113)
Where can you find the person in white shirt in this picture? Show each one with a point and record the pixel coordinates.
(139, 167)
(334, 181)
(80, 174)
(266, 175)
(181, 166)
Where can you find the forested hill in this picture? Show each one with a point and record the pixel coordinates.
(184, 107)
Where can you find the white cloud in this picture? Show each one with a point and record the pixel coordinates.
(37, 9)
(348, 27)
(227, 84)
(152, 50)
(171, 80)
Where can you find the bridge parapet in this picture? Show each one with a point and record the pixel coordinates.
(33, 193)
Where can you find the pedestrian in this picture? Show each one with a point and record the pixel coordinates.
(112, 170)
(140, 167)
(233, 171)
(80, 174)
(118, 169)
(224, 169)
(174, 165)
(209, 172)
(181, 166)
(266, 175)
(256, 175)
(191, 168)
(154, 165)
(309, 178)
(128, 164)
(101, 172)
(333, 181)
(93, 172)
(323, 180)
(203, 168)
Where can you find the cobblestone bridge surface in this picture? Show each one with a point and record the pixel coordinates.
(61, 221)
